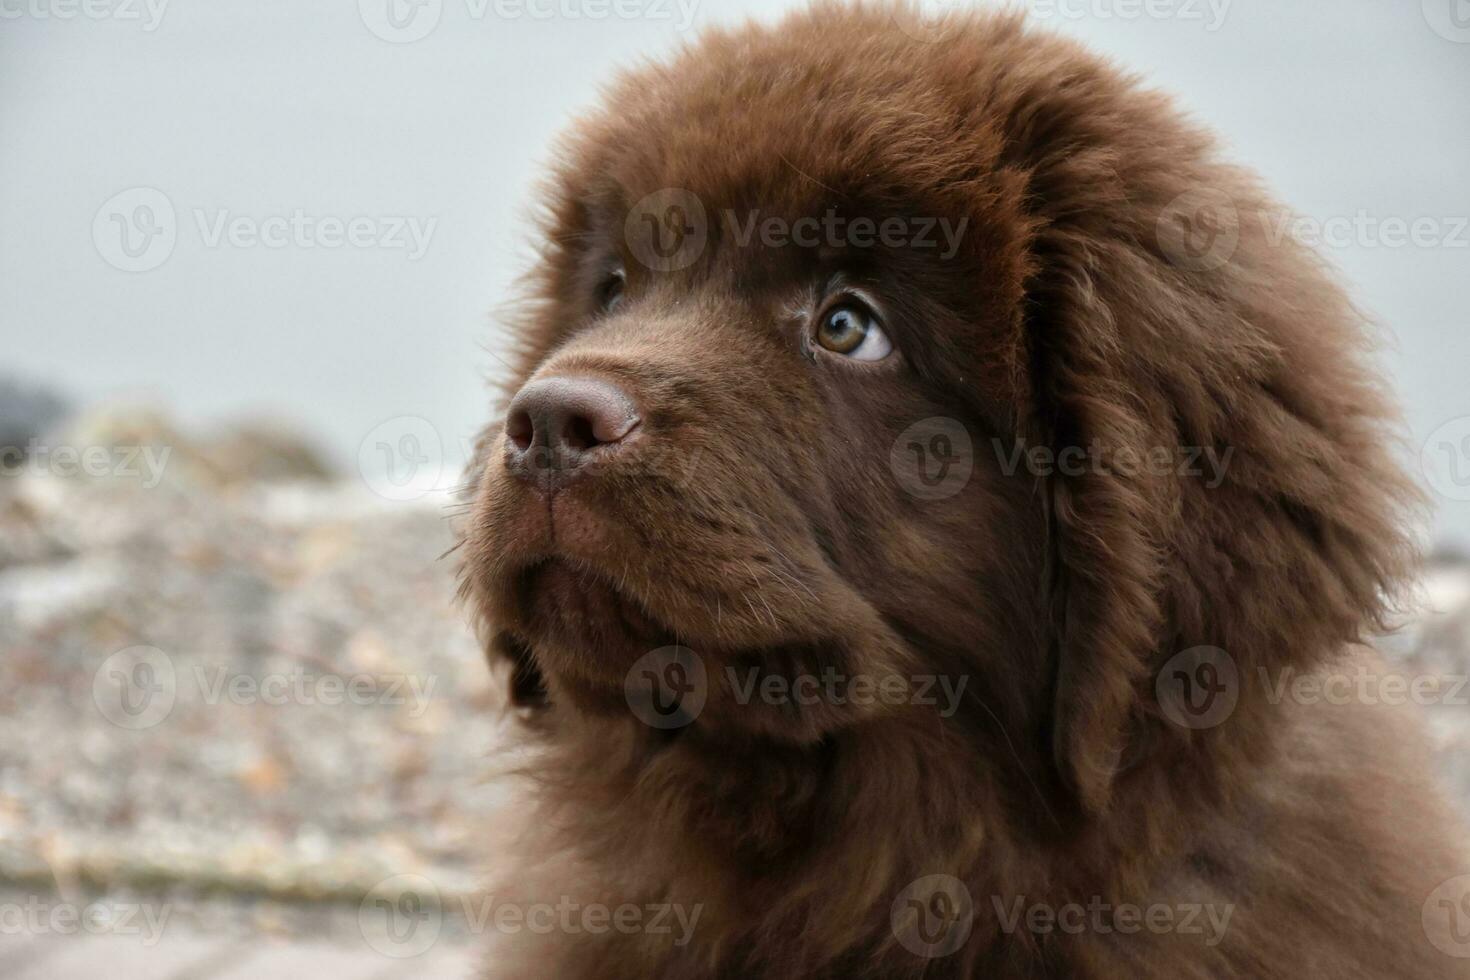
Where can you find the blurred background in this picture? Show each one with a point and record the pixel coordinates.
(251, 255)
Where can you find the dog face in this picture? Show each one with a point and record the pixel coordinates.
(799, 320)
(777, 369)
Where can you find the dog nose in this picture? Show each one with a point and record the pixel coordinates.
(557, 425)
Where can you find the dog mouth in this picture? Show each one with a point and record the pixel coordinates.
(587, 607)
(602, 645)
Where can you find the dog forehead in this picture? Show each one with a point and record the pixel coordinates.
(781, 125)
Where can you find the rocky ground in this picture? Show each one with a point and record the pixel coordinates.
(254, 701)
(254, 696)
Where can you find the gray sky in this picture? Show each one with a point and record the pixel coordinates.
(1353, 110)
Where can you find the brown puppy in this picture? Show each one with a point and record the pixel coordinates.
(926, 484)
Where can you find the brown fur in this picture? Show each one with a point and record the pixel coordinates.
(757, 521)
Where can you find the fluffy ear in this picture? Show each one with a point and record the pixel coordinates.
(1104, 568)
(1224, 477)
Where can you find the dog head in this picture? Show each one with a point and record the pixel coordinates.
(864, 351)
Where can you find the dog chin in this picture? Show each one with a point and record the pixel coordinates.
(580, 624)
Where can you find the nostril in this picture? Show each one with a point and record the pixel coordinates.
(580, 433)
(520, 430)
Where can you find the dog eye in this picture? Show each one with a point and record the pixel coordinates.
(610, 293)
(851, 329)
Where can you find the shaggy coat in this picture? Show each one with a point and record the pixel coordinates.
(1124, 479)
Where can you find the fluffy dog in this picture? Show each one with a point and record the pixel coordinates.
(926, 488)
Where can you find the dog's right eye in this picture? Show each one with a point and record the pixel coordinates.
(610, 292)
